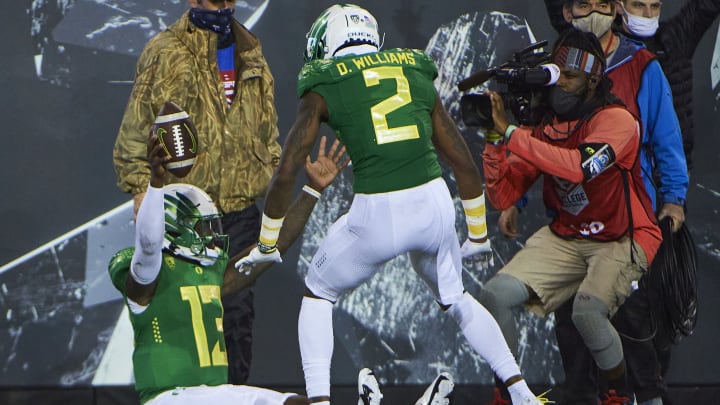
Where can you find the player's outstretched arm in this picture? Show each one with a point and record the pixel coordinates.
(452, 148)
(149, 231)
(312, 111)
(320, 173)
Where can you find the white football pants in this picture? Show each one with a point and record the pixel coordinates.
(377, 228)
(221, 395)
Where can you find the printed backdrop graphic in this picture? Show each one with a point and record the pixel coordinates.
(68, 70)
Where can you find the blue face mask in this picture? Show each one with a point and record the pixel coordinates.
(218, 21)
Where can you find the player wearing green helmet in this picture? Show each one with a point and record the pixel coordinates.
(192, 225)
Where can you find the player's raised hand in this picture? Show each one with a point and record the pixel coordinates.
(323, 170)
(157, 157)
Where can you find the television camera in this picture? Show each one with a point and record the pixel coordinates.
(526, 78)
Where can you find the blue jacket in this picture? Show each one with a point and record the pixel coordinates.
(662, 158)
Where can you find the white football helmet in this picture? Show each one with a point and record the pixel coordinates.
(340, 27)
(192, 224)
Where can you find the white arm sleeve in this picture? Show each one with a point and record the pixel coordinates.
(149, 233)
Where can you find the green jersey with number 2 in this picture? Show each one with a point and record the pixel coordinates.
(380, 106)
(179, 337)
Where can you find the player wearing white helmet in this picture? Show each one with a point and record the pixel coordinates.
(340, 30)
(384, 108)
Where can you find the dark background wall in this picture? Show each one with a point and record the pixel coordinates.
(60, 127)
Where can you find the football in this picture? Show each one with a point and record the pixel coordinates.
(177, 135)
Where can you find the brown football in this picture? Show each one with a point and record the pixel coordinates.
(178, 137)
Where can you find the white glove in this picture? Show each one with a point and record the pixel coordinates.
(481, 252)
(247, 263)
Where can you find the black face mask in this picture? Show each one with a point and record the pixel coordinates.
(214, 20)
(563, 102)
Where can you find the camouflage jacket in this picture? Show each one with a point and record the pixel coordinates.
(238, 144)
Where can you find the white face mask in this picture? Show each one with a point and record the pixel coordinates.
(641, 26)
(595, 22)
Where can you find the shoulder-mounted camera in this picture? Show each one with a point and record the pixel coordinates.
(525, 79)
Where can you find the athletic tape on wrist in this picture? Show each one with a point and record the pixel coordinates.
(509, 130)
(270, 230)
(475, 217)
(306, 188)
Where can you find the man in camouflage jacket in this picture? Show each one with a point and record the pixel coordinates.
(234, 113)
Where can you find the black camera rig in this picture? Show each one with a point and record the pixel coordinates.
(526, 78)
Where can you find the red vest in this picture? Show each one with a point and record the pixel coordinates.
(604, 208)
(627, 78)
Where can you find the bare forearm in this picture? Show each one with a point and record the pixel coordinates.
(452, 147)
(297, 147)
(295, 220)
(234, 281)
(279, 195)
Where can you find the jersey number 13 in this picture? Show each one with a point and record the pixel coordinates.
(196, 297)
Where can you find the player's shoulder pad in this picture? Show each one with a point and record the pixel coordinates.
(314, 73)
(419, 55)
(411, 58)
(327, 71)
(119, 267)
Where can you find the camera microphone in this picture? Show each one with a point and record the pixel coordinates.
(476, 79)
(543, 75)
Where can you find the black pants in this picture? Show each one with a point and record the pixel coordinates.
(635, 323)
(243, 228)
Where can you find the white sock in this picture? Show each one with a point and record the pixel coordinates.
(484, 335)
(315, 334)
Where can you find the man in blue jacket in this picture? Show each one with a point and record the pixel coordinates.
(674, 41)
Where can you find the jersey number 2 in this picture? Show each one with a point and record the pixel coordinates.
(379, 111)
(206, 294)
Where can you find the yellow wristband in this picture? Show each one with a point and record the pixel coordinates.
(475, 217)
(270, 230)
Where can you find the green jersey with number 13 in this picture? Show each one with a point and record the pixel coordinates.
(380, 106)
(179, 338)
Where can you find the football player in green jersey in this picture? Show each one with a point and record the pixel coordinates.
(173, 279)
(385, 109)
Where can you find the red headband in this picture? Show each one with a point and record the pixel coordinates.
(578, 59)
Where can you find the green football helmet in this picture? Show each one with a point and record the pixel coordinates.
(341, 26)
(192, 225)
